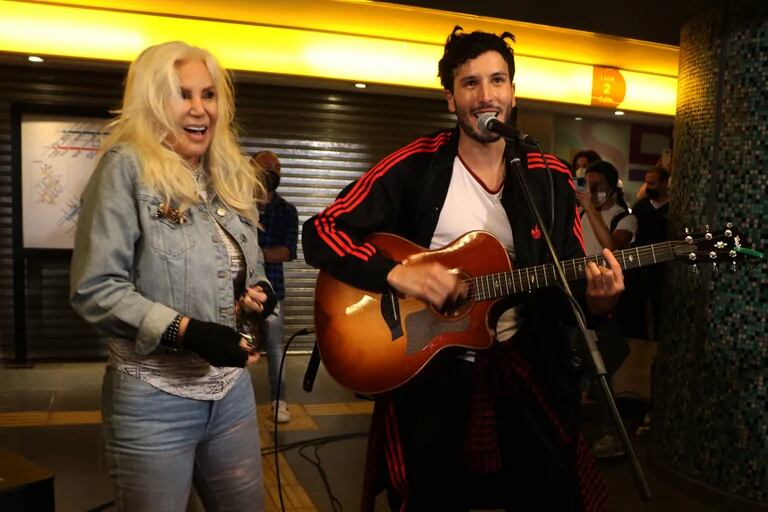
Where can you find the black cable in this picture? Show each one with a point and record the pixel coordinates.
(335, 503)
(300, 332)
(313, 441)
(102, 507)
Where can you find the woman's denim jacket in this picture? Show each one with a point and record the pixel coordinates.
(133, 270)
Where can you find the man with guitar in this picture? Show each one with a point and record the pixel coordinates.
(473, 428)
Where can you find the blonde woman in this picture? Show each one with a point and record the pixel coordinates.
(166, 264)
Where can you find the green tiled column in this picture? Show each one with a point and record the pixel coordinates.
(710, 423)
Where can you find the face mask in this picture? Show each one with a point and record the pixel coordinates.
(652, 193)
(271, 181)
(601, 197)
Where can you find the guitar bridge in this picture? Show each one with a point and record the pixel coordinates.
(390, 311)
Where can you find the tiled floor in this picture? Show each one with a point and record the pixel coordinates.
(49, 414)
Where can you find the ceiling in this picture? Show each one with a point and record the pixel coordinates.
(649, 20)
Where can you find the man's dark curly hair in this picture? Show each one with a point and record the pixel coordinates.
(461, 47)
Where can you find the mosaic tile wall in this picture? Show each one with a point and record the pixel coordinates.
(711, 388)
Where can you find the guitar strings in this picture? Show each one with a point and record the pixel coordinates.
(492, 286)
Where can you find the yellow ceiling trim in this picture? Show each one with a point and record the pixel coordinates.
(415, 24)
(98, 33)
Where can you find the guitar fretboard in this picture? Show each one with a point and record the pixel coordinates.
(493, 286)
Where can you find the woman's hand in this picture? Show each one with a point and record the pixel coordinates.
(253, 353)
(585, 201)
(253, 299)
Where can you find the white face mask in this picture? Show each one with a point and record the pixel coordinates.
(601, 198)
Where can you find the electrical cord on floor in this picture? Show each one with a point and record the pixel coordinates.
(300, 332)
(312, 441)
(335, 503)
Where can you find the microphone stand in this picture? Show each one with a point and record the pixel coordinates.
(588, 335)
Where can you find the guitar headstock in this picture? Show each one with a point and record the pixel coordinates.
(714, 247)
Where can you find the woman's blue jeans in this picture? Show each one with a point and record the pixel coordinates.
(157, 444)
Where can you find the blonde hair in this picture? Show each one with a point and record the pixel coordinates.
(145, 122)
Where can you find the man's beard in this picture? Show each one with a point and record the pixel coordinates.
(475, 133)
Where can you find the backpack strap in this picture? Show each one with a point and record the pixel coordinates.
(616, 219)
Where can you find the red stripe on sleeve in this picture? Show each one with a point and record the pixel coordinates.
(339, 240)
(328, 241)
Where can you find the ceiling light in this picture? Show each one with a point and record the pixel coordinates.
(34, 58)
(360, 85)
(619, 113)
(577, 119)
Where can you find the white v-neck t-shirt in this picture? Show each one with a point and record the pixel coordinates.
(470, 206)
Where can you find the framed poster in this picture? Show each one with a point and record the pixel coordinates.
(58, 155)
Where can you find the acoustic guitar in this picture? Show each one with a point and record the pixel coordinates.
(371, 342)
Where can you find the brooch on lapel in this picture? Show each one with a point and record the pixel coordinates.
(175, 215)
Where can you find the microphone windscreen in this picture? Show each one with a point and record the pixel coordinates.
(484, 119)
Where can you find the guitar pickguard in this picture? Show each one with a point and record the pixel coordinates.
(422, 326)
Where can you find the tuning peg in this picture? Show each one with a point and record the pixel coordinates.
(687, 230)
(729, 225)
(714, 267)
(706, 227)
(713, 255)
(695, 268)
(732, 266)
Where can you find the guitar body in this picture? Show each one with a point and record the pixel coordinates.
(372, 343)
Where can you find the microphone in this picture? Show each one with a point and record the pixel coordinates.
(488, 123)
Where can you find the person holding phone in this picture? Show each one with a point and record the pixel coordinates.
(605, 216)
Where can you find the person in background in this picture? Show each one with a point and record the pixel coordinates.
(641, 320)
(166, 265)
(665, 163)
(605, 217)
(582, 160)
(277, 238)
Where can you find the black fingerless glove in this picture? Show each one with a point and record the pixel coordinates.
(217, 344)
(271, 302)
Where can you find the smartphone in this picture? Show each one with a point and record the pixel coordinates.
(581, 184)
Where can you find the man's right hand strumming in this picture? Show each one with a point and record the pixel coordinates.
(431, 282)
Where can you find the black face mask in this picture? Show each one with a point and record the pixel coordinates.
(652, 193)
(271, 181)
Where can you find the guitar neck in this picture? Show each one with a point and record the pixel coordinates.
(493, 286)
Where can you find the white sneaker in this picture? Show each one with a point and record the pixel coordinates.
(607, 447)
(643, 429)
(283, 414)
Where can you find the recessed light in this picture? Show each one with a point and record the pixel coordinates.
(34, 58)
(619, 113)
(577, 119)
(360, 85)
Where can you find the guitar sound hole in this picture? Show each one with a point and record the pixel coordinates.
(454, 309)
